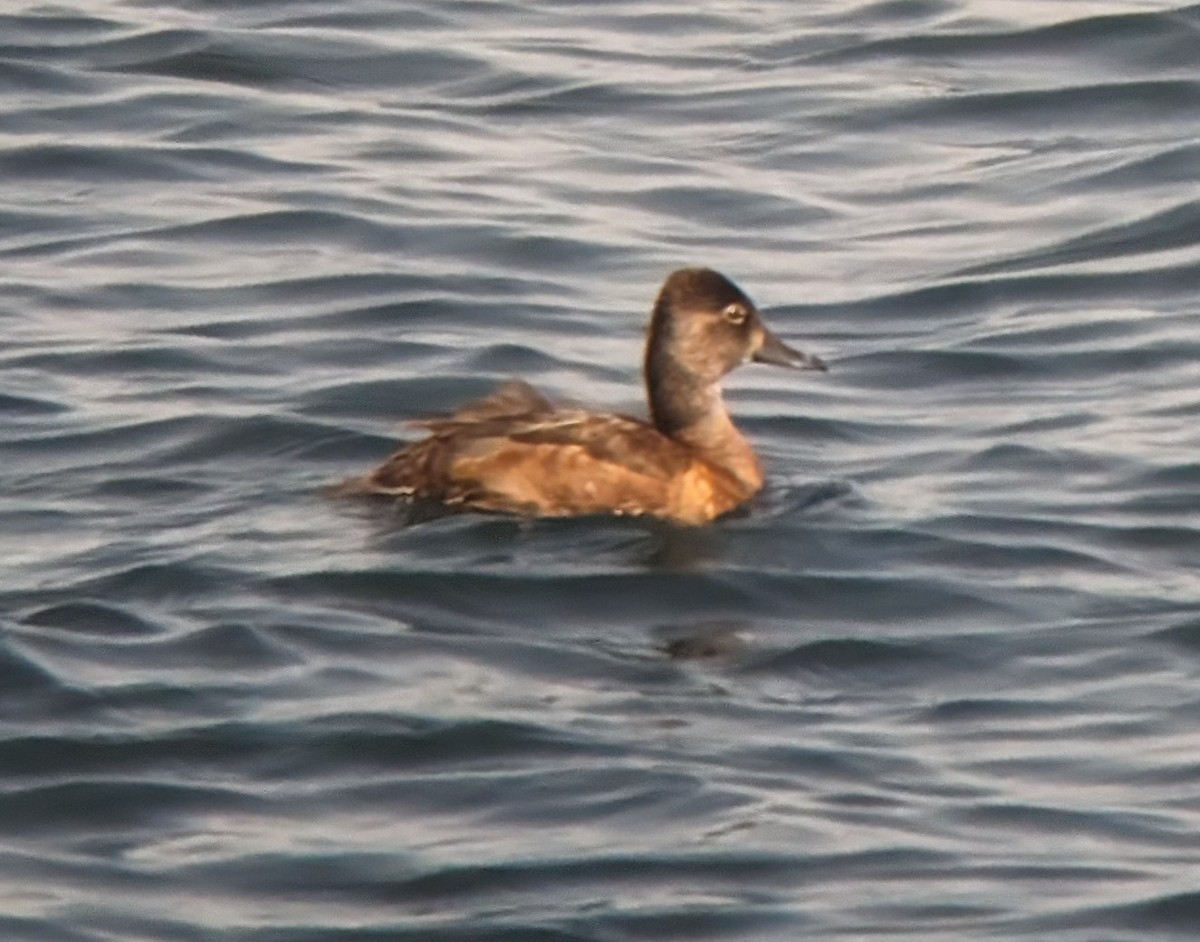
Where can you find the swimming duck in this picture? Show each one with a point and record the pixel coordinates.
(514, 451)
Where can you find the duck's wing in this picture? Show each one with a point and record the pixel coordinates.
(579, 462)
(511, 400)
(619, 441)
(555, 464)
(422, 468)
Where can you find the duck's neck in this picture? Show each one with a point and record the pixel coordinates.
(691, 411)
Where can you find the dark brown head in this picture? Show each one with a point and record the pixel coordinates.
(702, 327)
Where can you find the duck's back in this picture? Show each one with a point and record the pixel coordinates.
(513, 451)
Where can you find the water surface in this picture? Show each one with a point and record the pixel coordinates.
(939, 682)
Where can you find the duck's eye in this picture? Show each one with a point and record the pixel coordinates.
(735, 314)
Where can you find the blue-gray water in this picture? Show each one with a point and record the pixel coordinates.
(241, 243)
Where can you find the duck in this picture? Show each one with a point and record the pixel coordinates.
(517, 452)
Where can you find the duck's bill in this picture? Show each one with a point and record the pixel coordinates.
(778, 353)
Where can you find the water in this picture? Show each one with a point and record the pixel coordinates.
(938, 683)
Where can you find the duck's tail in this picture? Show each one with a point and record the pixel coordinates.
(416, 470)
(359, 486)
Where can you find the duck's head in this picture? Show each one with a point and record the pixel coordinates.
(703, 325)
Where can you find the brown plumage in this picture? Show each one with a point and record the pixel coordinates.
(516, 452)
